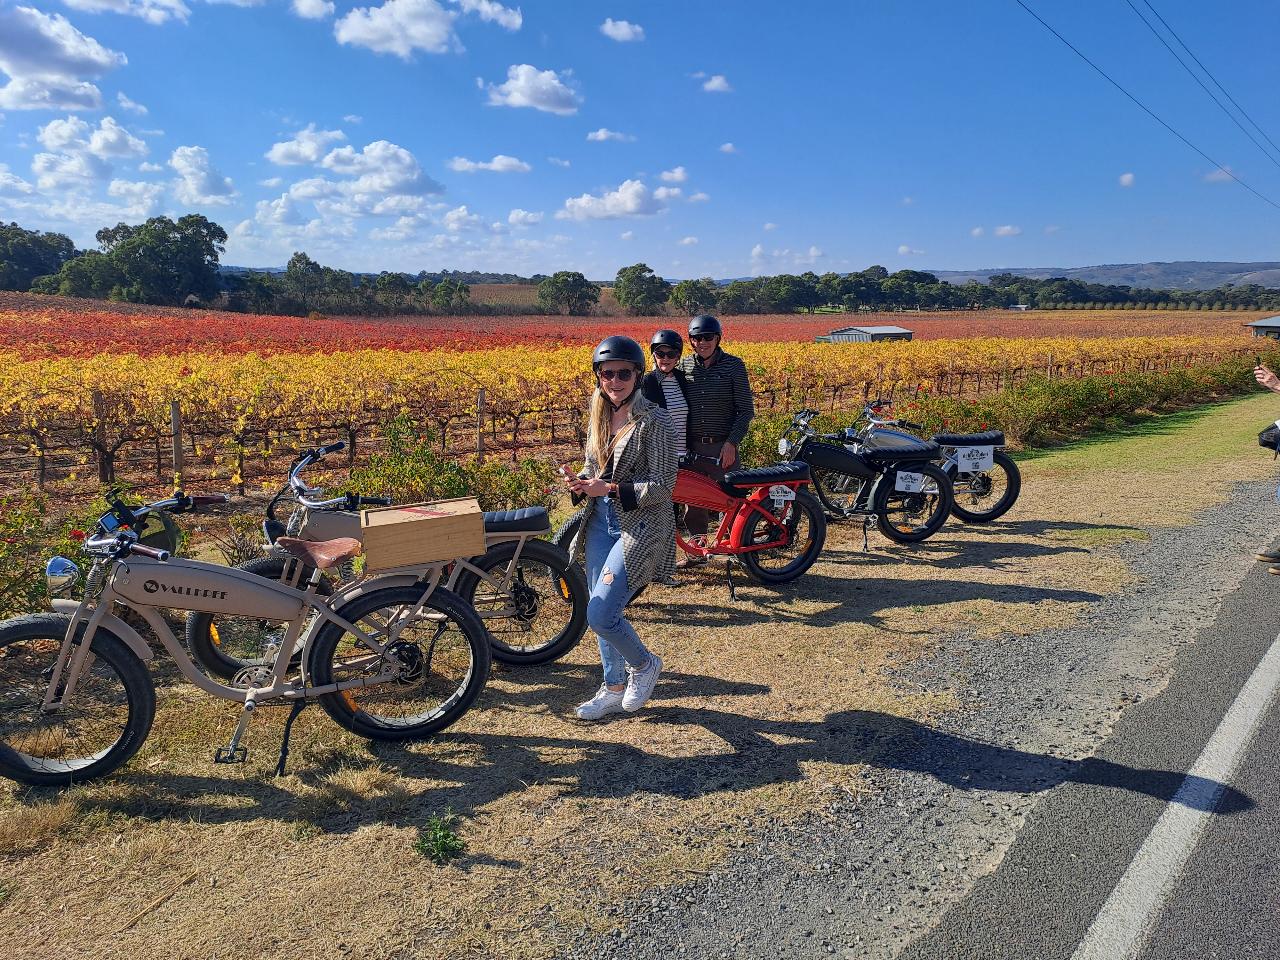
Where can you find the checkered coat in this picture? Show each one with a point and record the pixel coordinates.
(645, 471)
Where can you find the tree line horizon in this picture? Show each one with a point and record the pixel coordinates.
(176, 263)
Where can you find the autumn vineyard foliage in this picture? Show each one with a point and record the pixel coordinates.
(87, 394)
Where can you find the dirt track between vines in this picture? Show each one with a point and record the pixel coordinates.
(563, 821)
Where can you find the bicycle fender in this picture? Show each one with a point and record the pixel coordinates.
(114, 625)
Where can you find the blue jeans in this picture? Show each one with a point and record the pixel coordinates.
(607, 580)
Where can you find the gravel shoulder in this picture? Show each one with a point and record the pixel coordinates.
(943, 800)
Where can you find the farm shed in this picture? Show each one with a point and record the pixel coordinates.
(864, 334)
(1266, 327)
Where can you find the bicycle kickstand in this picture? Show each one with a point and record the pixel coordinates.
(298, 706)
(866, 522)
(728, 576)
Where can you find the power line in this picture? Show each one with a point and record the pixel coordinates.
(1210, 75)
(1145, 109)
(1221, 106)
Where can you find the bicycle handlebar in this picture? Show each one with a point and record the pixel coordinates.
(145, 551)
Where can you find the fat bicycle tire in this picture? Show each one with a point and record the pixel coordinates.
(1013, 486)
(805, 503)
(344, 706)
(567, 582)
(885, 494)
(24, 679)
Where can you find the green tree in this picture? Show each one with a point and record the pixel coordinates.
(569, 291)
(641, 290)
(392, 290)
(450, 296)
(166, 261)
(92, 274)
(694, 296)
(302, 278)
(27, 254)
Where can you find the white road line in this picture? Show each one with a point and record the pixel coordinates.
(1127, 917)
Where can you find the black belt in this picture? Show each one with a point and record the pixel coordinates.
(710, 439)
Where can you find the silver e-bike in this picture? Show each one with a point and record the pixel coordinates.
(77, 699)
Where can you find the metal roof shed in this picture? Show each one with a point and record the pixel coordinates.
(1265, 327)
(865, 334)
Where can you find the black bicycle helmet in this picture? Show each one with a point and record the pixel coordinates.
(704, 323)
(667, 338)
(618, 348)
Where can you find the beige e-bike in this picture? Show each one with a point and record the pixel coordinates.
(77, 700)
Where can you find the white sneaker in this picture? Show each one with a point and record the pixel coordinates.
(640, 684)
(605, 702)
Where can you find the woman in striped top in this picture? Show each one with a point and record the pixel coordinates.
(668, 387)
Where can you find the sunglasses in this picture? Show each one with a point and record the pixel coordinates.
(622, 376)
(702, 337)
(666, 354)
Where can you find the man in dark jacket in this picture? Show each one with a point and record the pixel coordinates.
(720, 410)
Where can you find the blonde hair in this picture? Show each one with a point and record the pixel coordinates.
(599, 445)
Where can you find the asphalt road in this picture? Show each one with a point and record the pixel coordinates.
(1080, 839)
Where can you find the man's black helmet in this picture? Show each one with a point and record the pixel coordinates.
(705, 323)
(667, 338)
(618, 348)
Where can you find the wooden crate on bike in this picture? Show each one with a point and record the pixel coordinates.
(417, 533)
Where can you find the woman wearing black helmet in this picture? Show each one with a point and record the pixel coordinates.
(667, 386)
(628, 476)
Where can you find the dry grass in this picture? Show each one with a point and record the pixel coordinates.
(771, 707)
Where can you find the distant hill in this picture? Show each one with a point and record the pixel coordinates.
(1178, 275)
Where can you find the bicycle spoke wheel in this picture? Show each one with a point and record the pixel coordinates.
(411, 674)
(838, 492)
(805, 531)
(982, 497)
(912, 517)
(534, 608)
(104, 722)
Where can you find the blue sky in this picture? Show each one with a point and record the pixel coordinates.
(719, 139)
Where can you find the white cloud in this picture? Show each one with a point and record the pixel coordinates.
(150, 167)
(198, 182)
(667, 193)
(1008, 230)
(527, 86)
(558, 162)
(627, 235)
(770, 226)
(271, 182)
(631, 199)
(1052, 229)
(493, 12)
(152, 11)
(282, 212)
(399, 27)
(678, 175)
(523, 218)
(113, 141)
(353, 118)
(313, 9)
(381, 167)
(621, 30)
(12, 185)
(58, 171)
(1127, 179)
(977, 232)
(604, 133)
(717, 84)
(905, 250)
(140, 197)
(1219, 175)
(64, 134)
(499, 164)
(699, 197)
(130, 105)
(47, 59)
(459, 218)
(728, 148)
(688, 241)
(307, 146)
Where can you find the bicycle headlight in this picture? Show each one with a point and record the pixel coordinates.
(62, 576)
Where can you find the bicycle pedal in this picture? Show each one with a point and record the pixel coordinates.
(230, 754)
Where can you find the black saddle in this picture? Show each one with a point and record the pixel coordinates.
(920, 452)
(991, 438)
(738, 483)
(524, 520)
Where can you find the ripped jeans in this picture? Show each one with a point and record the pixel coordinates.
(607, 580)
